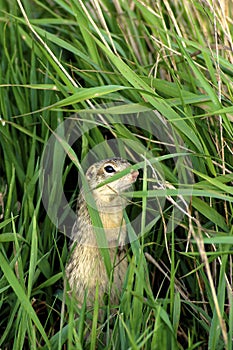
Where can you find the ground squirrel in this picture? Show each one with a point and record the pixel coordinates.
(86, 268)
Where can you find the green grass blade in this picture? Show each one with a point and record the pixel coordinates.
(10, 276)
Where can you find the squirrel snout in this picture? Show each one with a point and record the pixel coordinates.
(134, 175)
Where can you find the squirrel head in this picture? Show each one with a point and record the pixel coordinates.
(105, 169)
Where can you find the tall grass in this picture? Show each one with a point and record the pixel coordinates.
(172, 57)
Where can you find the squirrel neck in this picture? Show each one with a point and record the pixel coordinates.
(111, 215)
(113, 223)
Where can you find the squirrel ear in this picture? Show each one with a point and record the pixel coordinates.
(90, 172)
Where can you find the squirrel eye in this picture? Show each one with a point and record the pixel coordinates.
(109, 169)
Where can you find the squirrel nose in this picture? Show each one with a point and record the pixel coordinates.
(134, 174)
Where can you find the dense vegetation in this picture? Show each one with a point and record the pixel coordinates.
(168, 67)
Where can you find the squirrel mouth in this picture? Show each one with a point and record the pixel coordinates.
(132, 178)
